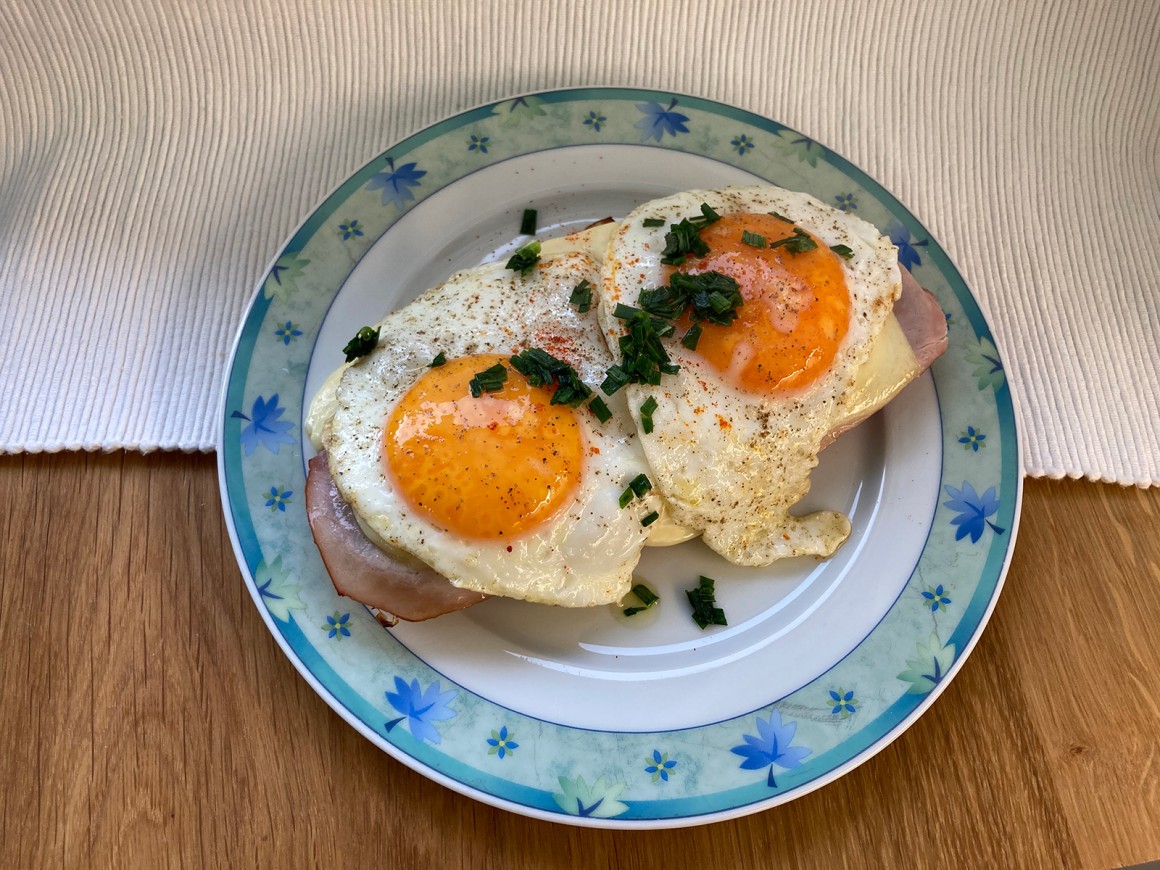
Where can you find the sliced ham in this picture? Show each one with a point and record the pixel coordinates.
(922, 320)
(362, 571)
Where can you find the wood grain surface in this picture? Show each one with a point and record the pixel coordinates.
(150, 719)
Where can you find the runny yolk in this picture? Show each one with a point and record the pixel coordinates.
(488, 467)
(796, 309)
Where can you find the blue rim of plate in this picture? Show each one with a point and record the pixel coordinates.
(724, 768)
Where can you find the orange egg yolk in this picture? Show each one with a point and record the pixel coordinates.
(796, 310)
(489, 467)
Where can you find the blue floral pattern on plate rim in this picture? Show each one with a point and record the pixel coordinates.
(588, 789)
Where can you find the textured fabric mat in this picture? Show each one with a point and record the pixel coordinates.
(153, 156)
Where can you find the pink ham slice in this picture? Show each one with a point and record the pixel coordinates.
(362, 571)
(922, 320)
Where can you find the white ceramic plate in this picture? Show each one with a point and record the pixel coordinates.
(583, 716)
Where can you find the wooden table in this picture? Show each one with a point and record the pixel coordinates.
(150, 719)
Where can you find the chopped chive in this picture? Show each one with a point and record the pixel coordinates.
(364, 342)
(650, 519)
(528, 224)
(615, 378)
(843, 251)
(653, 222)
(440, 359)
(637, 488)
(691, 337)
(705, 609)
(798, 243)
(581, 296)
(646, 597)
(600, 409)
(488, 381)
(544, 370)
(646, 411)
(624, 312)
(709, 214)
(780, 217)
(754, 240)
(525, 258)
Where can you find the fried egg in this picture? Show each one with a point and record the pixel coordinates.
(502, 492)
(737, 429)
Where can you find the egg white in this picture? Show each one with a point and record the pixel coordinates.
(582, 556)
(731, 464)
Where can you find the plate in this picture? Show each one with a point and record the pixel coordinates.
(584, 716)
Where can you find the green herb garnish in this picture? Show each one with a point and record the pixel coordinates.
(528, 224)
(637, 488)
(653, 222)
(754, 240)
(581, 296)
(640, 485)
(690, 338)
(544, 370)
(842, 251)
(684, 238)
(364, 342)
(440, 359)
(614, 379)
(650, 519)
(488, 381)
(524, 259)
(646, 411)
(780, 217)
(645, 595)
(705, 609)
(597, 406)
(643, 356)
(798, 243)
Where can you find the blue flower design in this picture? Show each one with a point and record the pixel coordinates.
(277, 498)
(658, 120)
(595, 120)
(478, 143)
(349, 229)
(988, 368)
(396, 184)
(843, 703)
(420, 708)
(281, 595)
(501, 743)
(973, 510)
(287, 332)
(929, 666)
(847, 202)
(599, 800)
(772, 746)
(264, 427)
(282, 282)
(936, 597)
(337, 626)
(900, 235)
(972, 439)
(659, 765)
(742, 144)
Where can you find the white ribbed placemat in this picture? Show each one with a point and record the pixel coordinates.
(155, 153)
